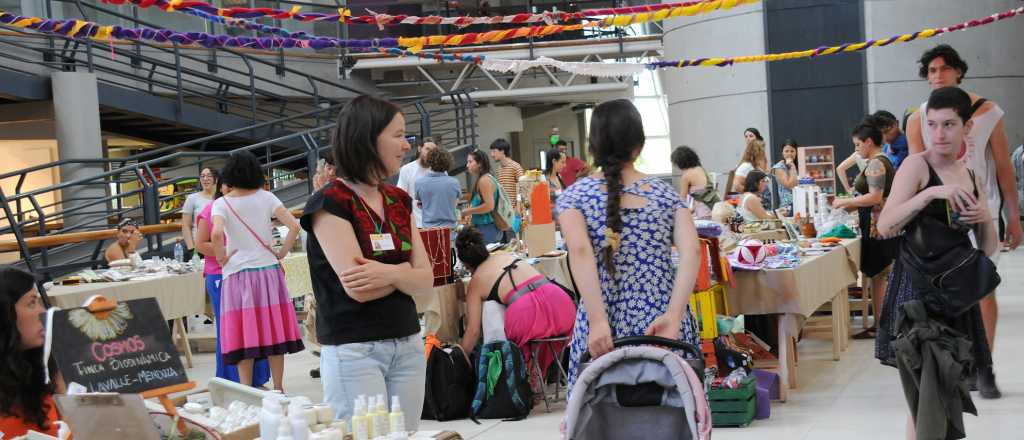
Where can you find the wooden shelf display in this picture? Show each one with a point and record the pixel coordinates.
(819, 163)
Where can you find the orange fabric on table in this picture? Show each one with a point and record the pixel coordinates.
(540, 204)
(14, 426)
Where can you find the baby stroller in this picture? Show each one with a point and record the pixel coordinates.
(640, 391)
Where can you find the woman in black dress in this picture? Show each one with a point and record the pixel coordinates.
(872, 185)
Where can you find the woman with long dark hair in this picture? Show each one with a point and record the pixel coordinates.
(786, 173)
(619, 227)
(555, 164)
(367, 261)
(26, 399)
(484, 196)
(214, 275)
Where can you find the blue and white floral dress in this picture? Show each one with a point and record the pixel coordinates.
(641, 288)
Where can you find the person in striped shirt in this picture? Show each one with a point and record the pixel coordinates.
(509, 171)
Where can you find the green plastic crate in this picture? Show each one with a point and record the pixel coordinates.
(734, 407)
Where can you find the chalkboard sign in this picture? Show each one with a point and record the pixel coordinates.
(127, 351)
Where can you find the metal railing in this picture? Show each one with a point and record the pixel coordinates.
(226, 80)
(146, 186)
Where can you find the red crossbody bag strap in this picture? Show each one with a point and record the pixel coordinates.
(254, 234)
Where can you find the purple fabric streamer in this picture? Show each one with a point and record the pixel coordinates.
(64, 27)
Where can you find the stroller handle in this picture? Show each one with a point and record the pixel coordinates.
(690, 349)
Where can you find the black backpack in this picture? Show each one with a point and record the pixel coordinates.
(449, 385)
(503, 385)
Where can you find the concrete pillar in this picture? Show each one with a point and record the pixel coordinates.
(709, 108)
(76, 116)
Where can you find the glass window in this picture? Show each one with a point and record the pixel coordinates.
(654, 157)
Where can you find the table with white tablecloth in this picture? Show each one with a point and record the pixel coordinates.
(179, 296)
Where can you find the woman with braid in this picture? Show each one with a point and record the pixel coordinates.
(619, 226)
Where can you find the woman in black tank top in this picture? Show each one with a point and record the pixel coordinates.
(873, 186)
(935, 184)
(536, 308)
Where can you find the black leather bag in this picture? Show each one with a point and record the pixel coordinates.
(950, 274)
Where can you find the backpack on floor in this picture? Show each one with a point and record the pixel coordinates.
(503, 385)
(450, 383)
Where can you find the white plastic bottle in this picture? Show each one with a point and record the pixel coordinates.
(270, 418)
(284, 432)
(396, 419)
(360, 427)
(299, 422)
(380, 417)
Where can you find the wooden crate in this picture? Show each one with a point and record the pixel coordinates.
(734, 407)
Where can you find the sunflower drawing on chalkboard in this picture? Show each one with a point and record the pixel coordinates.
(101, 329)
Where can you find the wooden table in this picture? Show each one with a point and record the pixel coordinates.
(179, 296)
(795, 294)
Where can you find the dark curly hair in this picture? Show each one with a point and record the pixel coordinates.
(948, 54)
(685, 158)
(439, 160)
(470, 248)
(616, 133)
(23, 387)
(243, 170)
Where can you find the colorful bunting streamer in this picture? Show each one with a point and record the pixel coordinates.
(642, 13)
(847, 47)
(85, 29)
(287, 40)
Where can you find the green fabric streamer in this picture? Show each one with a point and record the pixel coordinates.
(494, 364)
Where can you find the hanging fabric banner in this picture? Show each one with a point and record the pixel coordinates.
(589, 69)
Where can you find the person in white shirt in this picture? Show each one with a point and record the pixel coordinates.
(986, 151)
(411, 172)
(195, 204)
(257, 316)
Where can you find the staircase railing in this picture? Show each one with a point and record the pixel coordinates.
(233, 82)
(147, 186)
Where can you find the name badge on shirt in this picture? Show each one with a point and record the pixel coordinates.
(382, 242)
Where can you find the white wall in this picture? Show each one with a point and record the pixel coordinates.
(709, 107)
(992, 53)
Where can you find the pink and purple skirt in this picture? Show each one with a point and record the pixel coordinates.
(257, 316)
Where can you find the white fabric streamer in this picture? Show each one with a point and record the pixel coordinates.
(605, 70)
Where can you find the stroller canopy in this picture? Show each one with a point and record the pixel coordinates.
(638, 392)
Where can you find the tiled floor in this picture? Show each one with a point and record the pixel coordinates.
(855, 398)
